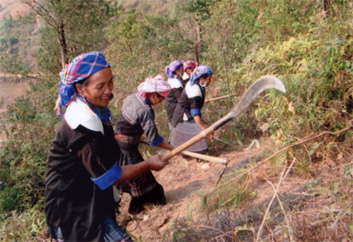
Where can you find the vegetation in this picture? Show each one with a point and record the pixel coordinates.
(307, 44)
(14, 41)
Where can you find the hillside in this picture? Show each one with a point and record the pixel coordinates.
(12, 8)
(295, 184)
(194, 212)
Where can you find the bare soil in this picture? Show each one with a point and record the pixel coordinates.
(309, 214)
(12, 8)
(185, 182)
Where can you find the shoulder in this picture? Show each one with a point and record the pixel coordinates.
(174, 83)
(193, 91)
(79, 113)
(134, 108)
(186, 76)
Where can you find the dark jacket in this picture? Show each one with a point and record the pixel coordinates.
(72, 200)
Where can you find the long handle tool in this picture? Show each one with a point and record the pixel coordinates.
(260, 85)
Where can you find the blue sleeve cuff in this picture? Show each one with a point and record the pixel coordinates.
(157, 141)
(108, 178)
(195, 112)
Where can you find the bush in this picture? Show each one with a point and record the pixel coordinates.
(24, 158)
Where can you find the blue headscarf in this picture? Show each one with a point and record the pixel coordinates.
(200, 71)
(170, 70)
(79, 69)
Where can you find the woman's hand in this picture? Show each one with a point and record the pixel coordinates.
(155, 163)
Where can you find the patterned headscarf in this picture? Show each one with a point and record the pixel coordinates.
(79, 69)
(154, 84)
(170, 70)
(199, 72)
(189, 64)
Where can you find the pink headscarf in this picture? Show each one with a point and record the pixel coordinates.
(189, 64)
(154, 84)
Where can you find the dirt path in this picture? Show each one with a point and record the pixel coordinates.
(184, 182)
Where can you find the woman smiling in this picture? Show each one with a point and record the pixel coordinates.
(79, 200)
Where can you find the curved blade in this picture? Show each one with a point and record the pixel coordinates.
(260, 85)
(249, 96)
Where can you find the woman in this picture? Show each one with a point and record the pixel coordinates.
(79, 201)
(187, 120)
(189, 66)
(136, 119)
(174, 72)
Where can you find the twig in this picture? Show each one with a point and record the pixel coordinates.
(284, 213)
(217, 238)
(216, 138)
(220, 176)
(304, 140)
(334, 225)
(282, 178)
(211, 228)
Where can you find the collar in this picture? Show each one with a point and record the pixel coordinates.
(147, 101)
(79, 113)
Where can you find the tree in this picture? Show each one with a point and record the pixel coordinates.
(200, 9)
(78, 24)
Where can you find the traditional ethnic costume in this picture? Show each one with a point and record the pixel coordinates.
(79, 201)
(136, 119)
(177, 86)
(189, 105)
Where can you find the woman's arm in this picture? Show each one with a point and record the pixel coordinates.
(131, 171)
(165, 146)
(199, 122)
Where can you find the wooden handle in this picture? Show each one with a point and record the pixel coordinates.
(188, 143)
(217, 98)
(199, 156)
(205, 157)
(260, 85)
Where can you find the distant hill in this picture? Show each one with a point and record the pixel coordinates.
(12, 8)
(22, 41)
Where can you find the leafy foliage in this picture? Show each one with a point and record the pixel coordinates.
(14, 46)
(142, 45)
(307, 44)
(76, 26)
(23, 160)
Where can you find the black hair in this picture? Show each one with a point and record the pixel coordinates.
(83, 82)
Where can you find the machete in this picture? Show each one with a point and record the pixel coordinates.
(260, 85)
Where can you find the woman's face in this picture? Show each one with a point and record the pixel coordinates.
(156, 98)
(99, 88)
(189, 70)
(205, 81)
(180, 72)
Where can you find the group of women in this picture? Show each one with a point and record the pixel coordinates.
(185, 101)
(91, 157)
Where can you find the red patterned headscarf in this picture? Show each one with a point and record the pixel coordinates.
(189, 64)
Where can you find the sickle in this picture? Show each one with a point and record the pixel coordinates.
(260, 85)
